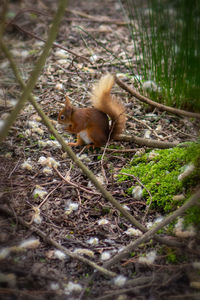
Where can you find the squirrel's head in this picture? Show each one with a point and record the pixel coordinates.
(64, 116)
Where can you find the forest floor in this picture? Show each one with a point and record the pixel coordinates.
(75, 214)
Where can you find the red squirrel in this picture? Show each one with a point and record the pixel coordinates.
(91, 124)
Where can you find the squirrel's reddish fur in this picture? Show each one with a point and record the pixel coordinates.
(91, 124)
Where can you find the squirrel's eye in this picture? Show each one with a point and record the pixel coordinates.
(62, 117)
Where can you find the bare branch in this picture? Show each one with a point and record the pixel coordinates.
(162, 107)
(146, 142)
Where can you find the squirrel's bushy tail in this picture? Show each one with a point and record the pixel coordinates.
(109, 104)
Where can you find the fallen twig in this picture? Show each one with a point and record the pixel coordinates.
(99, 19)
(162, 107)
(146, 142)
(146, 125)
(74, 184)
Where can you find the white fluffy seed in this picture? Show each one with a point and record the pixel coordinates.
(61, 54)
(149, 258)
(33, 124)
(39, 191)
(125, 207)
(137, 192)
(105, 255)
(59, 86)
(150, 85)
(59, 254)
(120, 280)
(47, 171)
(182, 232)
(4, 253)
(54, 286)
(71, 206)
(2, 124)
(87, 252)
(37, 219)
(147, 134)
(30, 244)
(27, 165)
(93, 241)
(72, 287)
(103, 222)
(49, 162)
(133, 232)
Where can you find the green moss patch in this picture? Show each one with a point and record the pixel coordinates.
(159, 170)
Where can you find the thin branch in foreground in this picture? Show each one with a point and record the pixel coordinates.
(35, 73)
(162, 107)
(150, 234)
(3, 18)
(52, 242)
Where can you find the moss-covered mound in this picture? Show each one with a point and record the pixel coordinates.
(165, 174)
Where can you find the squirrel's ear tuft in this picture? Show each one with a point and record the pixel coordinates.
(67, 101)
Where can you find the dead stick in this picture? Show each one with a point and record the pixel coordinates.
(100, 19)
(146, 142)
(162, 107)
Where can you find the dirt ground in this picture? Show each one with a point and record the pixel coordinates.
(74, 214)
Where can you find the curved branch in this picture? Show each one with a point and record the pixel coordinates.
(162, 107)
(146, 142)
